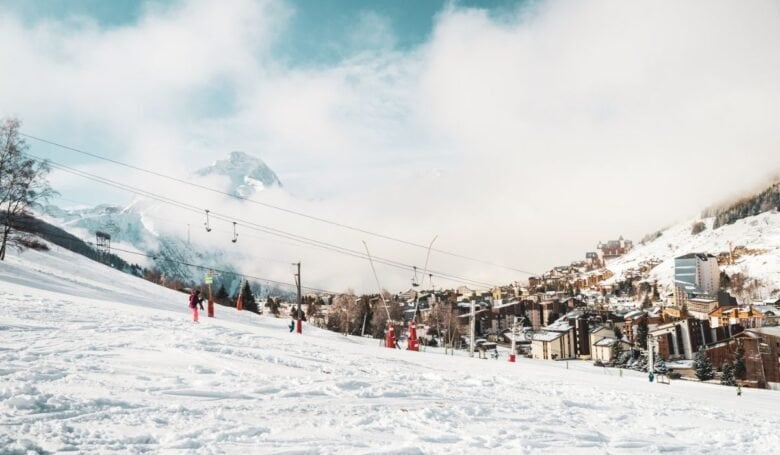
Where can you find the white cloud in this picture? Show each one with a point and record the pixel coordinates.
(549, 129)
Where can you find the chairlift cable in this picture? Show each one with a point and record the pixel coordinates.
(276, 207)
(254, 226)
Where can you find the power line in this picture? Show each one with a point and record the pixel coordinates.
(256, 226)
(72, 237)
(276, 207)
(180, 223)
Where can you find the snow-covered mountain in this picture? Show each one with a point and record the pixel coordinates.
(137, 227)
(247, 174)
(754, 239)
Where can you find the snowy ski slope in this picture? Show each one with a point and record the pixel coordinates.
(95, 361)
(760, 232)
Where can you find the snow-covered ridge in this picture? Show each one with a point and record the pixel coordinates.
(143, 226)
(760, 233)
(247, 174)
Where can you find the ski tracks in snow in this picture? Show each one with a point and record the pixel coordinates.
(78, 374)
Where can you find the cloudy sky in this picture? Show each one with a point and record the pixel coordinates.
(518, 132)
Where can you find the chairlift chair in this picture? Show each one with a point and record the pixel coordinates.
(207, 224)
(235, 234)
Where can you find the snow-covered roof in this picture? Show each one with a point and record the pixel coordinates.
(677, 364)
(561, 325)
(521, 337)
(547, 336)
(767, 309)
(507, 304)
(633, 314)
(771, 331)
(608, 341)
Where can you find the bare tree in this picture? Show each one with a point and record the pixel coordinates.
(379, 316)
(344, 314)
(22, 181)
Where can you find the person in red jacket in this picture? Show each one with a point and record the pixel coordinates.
(195, 302)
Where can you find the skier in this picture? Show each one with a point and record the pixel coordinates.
(739, 390)
(651, 376)
(292, 324)
(195, 302)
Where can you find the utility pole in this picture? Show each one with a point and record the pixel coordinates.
(299, 323)
(472, 328)
(365, 317)
(651, 349)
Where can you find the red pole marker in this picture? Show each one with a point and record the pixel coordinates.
(211, 308)
(240, 302)
(390, 337)
(299, 326)
(414, 343)
(511, 357)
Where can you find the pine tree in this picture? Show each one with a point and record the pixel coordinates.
(739, 362)
(728, 375)
(248, 298)
(617, 351)
(273, 306)
(660, 366)
(703, 366)
(642, 331)
(641, 363)
(222, 293)
(222, 296)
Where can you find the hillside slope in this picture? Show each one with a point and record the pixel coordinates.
(759, 233)
(93, 360)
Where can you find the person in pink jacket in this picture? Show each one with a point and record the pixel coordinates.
(195, 302)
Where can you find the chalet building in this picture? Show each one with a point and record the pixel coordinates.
(747, 317)
(771, 314)
(604, 349)
(631, 321)
(682, 339)
(405, 296)
(555, 342)
(581, 324)
(598, 332)
(592, 260)
(700, 308)
(614, 248)
(571, 336)
(464, 293)
(762, 355)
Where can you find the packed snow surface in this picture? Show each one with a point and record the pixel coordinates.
(95, 361)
